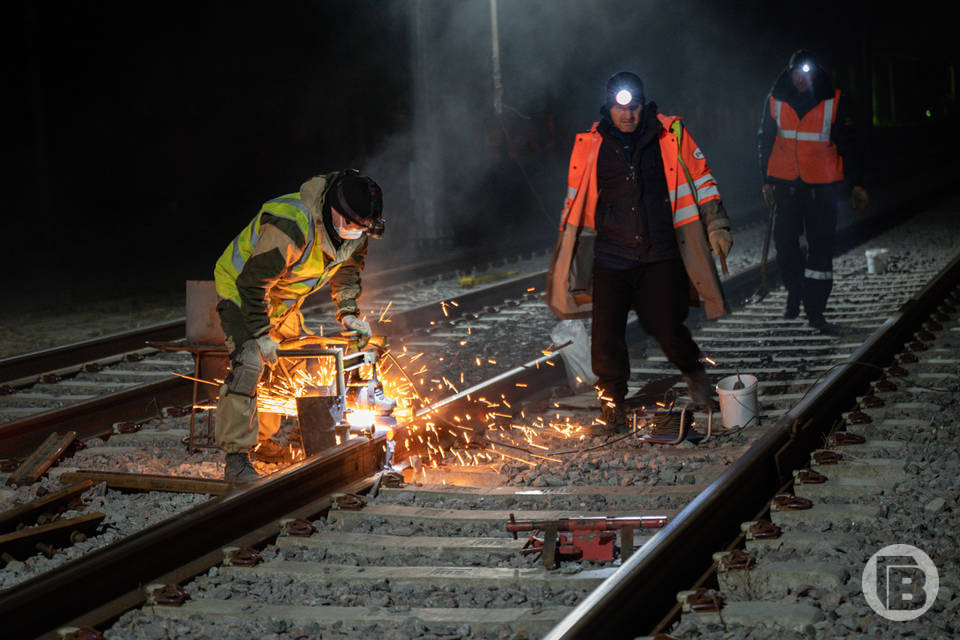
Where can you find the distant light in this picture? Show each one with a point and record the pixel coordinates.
(928, 113)
(624, 97)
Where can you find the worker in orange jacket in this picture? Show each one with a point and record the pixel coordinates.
(641, 204)
(808, 160)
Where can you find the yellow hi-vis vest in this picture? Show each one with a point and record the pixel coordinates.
(308, 274)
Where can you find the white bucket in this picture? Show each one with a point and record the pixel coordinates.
(738, 407)
(876, 260)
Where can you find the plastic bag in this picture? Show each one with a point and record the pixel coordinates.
(576, 355)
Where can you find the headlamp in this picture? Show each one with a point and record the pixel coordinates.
(805, 67)
(624, 97)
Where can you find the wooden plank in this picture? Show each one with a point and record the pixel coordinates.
(149, 482)
(26, 542)
(50, 504)
(42, 458)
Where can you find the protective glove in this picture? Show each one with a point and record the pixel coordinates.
(354, 323)
(859, 199)
(268, 349)
(721, 241)
(767, 191)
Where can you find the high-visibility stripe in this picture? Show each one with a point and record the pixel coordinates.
(684, 214)
(817, 275)
(807, 136)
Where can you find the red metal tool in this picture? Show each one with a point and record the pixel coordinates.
(586, 538)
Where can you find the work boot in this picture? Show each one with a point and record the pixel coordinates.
(820, 323)
(270, 450)
(371, 398)
(792, 310)
(613, 420)
(700, 389)
(239, 470)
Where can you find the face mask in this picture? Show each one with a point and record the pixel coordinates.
(345, 233)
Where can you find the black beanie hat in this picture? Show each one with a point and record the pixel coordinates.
(357, 198)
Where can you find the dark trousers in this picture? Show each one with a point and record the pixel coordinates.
(810, 209)
(659, 293)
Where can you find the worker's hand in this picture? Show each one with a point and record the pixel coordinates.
(859, 199)
(721, 241)
(767, 191)
(354, 323)
(268, 349)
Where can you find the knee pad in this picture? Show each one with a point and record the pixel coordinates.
(245, 370)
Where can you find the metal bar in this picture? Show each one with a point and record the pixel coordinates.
(88, 418)
(487, 383)
(74, 354)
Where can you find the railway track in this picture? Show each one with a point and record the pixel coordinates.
(339, 570)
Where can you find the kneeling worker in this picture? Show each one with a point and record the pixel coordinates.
(296, 244)
(641, 194)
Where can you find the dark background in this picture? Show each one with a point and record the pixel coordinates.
(142, 138)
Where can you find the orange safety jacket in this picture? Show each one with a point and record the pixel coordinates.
(690, 184)
(803, 147)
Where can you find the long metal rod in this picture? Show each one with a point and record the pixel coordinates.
(492, 381)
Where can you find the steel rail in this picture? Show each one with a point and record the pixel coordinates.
(25, 365)
(184, 546)
(120, 571)
(77, 353)
(637, 596)
(94, 416)
(90, 417)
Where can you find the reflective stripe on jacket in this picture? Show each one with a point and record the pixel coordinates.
(306, 275)
(568, 286)
(803, 147)
(318, 262)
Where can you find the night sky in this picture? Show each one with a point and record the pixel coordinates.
(144, 137)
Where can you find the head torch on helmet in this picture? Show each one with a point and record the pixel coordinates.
(624, 89)
(802, 60)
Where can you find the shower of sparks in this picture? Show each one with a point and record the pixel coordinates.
(490, 432)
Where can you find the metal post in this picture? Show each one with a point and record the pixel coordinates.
(495, 49)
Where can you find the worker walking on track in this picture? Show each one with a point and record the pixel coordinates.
(296, 244)
(641, 205)
(808, 161)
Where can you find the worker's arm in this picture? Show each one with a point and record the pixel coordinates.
(345, 283)
(766, 136)
(274, 252)
(844, 135)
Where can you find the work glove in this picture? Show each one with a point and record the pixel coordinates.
(859, 199)
(268, 349)
(767, 191)
(354, 323)
(721, 241)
